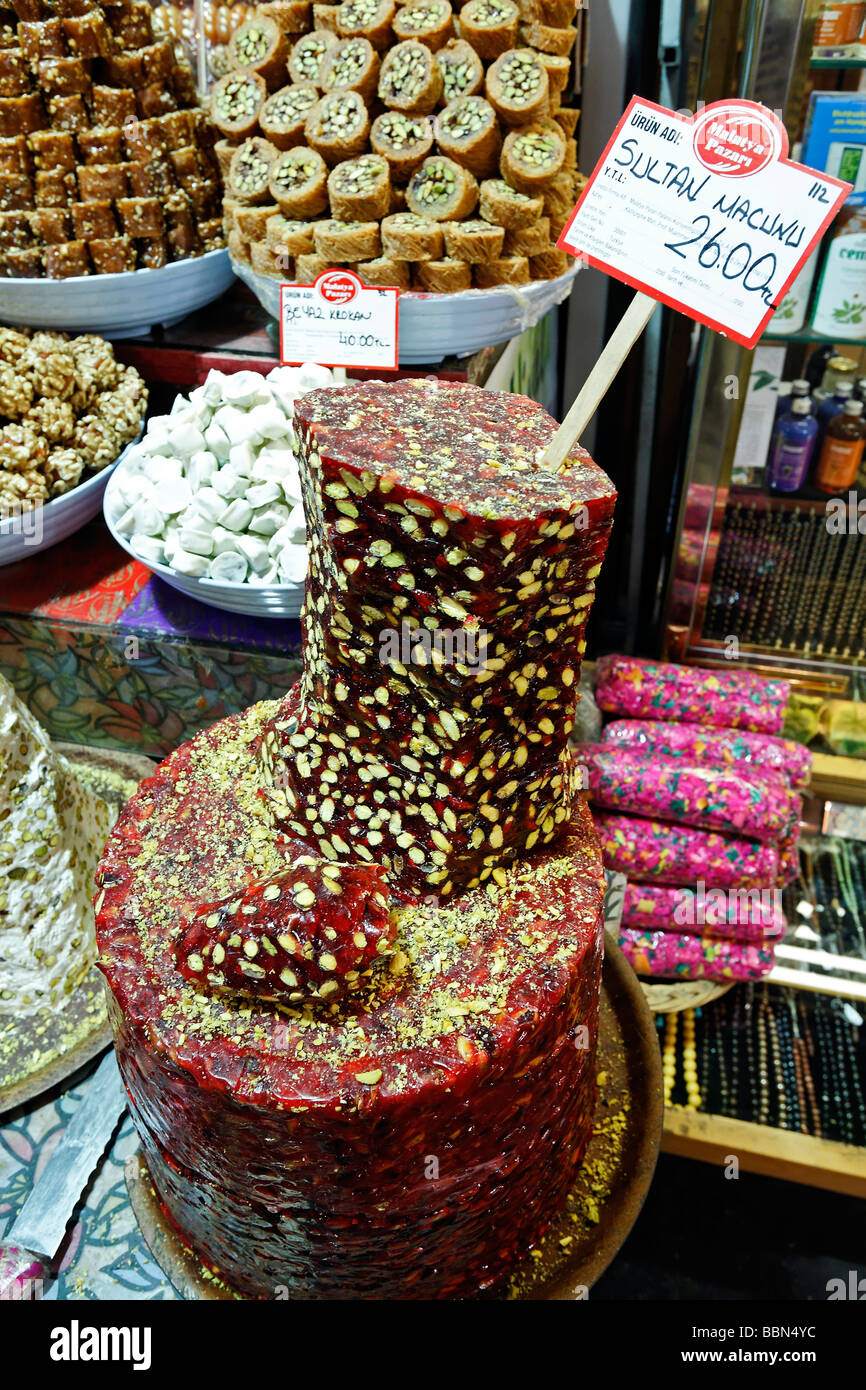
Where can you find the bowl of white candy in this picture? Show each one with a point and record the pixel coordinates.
(210, 498)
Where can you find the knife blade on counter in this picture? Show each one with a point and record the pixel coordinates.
(37, 1233)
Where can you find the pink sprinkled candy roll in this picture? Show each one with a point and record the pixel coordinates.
(689, 694)
(695, 742)
(734, 800)
(695, 957)
(665, 853)
(737, 914)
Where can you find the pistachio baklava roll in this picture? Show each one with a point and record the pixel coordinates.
(442, 189)
(443, 277)
(250, 170)
(283, 116)
(385, 271)
(235, 103)
(468, 132)
(351, 65)
(291, 16)
(528, 241)
(239, 250)
(360, 189)
(299, 182)
(498, 202)
(338, 126)
(367, 19)
(408, 237)
(305, 63)
(266, 261)
(345, 242)
(224, 151)
(293, 234)
(252, 221)
(508, 270)
(461, 68)
(517, 87)
(309, 267)
(473, 240)
(325, 17)
(548, 39)
(558, 71)
(490, 26)
(259, 45)
(559, 200)
(567, 117)
(410, 78)
(403, 139)
(559, 13)
(532, 157)
(431, 22)
(546, 265)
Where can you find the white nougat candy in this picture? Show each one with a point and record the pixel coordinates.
(164, 468)
(234, 423)
(197, 540)
(242, 458)
(260, 494)
(217, 440)
(212, 391)
(173, 496)
(151, 550)
(269, 576)
(255, 551)
(125, 522)
(297, 525)
(266, 520)
(237, 515)
(207, 504)
(241, 388)
(156, 439)
(228, 483)
(186, 563)
(312, 377)
(269, 421)
(185, 439)
(225, 542)
(293, 564)
(229, 567)
(201, 468)
(148, 520)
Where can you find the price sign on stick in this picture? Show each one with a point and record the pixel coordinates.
(703, 213)
(338, 322)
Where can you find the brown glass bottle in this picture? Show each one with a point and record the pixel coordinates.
(842, 450)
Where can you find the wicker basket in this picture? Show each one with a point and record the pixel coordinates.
(672, 996)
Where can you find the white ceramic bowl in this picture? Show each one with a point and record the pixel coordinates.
(117, 306)
(21, 537)
(271, 601)
(433, 326)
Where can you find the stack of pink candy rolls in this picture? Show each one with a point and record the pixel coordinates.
(694, 797)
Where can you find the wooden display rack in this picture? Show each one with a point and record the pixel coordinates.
(776, 1153)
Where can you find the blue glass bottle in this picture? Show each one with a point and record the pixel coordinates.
(833, 405)
(792, 448)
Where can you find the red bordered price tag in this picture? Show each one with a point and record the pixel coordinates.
(339, 322)
(705, 213)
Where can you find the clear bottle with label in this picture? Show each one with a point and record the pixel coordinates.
(836, 370)
(793, 309)
(842, 450)
(792, 448)
(840, 302)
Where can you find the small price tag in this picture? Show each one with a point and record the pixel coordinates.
(339, 322)
(705, 213)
